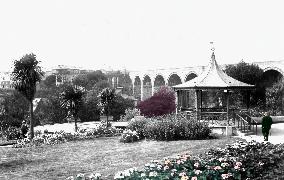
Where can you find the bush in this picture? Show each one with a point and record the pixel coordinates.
(161, 103)
(129, 136)
(90, 111)
(12, 133)
(169, 127)
(119, 105)
(173, 127)
(129, 114)
(138, 125)
(275, 98)
(14, 109)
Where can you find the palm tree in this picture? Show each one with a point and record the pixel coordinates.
(72, 100)
(26, 75)
(107, 96)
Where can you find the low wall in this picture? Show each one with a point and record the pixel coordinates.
(224, 130)
(275, 119)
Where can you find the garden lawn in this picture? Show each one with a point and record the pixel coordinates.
(104, 155)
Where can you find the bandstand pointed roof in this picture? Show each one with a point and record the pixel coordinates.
(213, 78)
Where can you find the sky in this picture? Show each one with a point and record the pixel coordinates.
(140, 34)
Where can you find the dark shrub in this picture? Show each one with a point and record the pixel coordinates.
(12, 133)
(14, 109)
(119, 106)
(162, 102)
(90, 111)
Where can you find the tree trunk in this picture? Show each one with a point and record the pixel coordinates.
(31, 121)
(107, 116)
(76, 127)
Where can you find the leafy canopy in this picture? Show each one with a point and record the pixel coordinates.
(26, 74)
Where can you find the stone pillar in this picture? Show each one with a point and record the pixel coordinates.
(142, 87)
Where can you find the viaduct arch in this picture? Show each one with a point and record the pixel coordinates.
(145, 83)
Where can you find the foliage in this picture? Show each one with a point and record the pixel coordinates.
(138, 125)
(250, 74)
(50, 111)
(107, 97)
(172, 127)
(99, 86)
(49, 81)
(129, 136)
(72, 100)
(275, 98)
(89, 80)
(90, 111)
(119, 105)
(14, 109)
(129, 114)
(169, 127)
(162, 102)
(236, 161)
(50, 138)
(26, 75)
(11, 133)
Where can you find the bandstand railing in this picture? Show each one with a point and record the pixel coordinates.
(245, 123)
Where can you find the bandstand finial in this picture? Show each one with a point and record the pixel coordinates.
(212, 49)
(212, 46)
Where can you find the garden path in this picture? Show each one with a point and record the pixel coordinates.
(276, 134)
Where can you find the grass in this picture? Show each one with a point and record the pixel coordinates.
(104, 155)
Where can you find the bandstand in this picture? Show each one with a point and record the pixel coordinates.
(213, 78)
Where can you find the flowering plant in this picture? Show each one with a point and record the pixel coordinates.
(50, 138)
(129, 136)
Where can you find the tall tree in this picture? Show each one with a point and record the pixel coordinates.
(251, 74)
(72, 100)
(26, 74)
(107, 97)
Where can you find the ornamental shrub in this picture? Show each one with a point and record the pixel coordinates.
(129, 136)
(129, 114)
(138, 125)
(172, 127)
(169, 127)
(161, 103)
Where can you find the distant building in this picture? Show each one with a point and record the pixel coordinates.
(65, 73)
(5, 80)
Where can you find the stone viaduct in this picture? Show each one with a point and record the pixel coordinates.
(145, 83)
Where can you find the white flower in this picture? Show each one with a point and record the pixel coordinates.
(153, 174)
(126, 173)
(152, 165)
(80, 175)
(70, 178)
(118, 175)
(197, 172)
(143, 174)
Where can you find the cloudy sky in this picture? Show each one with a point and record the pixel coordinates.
(140, 34)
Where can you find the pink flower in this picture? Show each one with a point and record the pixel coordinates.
(225, 176)
(217, 168)
(196, 164)
(237, 167)
(194, 178)
(239, 164)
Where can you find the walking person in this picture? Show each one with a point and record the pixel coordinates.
(266, 125)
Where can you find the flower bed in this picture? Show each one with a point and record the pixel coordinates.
(237, 161)
(47, 138)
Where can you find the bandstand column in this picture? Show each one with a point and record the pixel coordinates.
(142, 87)
(227, 98)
